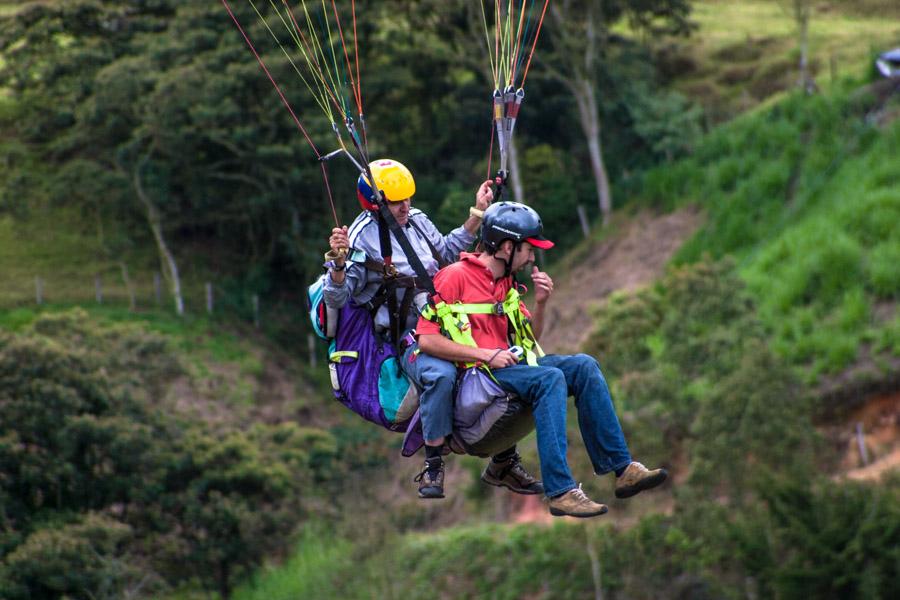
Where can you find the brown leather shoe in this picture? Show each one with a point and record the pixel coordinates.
(511, 475)
(575, 503)
(431, 481)
(638, 478)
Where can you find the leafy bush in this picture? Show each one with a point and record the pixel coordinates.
(94, 469)
(691, 363)
(804, 536)
(82, 560)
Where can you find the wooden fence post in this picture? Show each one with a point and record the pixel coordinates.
(209, 298)
(585, 224)
(39, 290)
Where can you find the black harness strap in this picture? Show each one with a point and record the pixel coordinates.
(403, 311)
(384, 240)
(414, 261)
(434, 252)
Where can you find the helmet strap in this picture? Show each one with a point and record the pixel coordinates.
(507, 270)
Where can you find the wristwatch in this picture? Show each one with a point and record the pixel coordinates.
(333, 266)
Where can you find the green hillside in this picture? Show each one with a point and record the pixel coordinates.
(149, 455)
(744, 53)
(805, 195)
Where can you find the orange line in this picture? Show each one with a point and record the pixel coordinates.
(538, 33)
(315, 59)
(346, 56)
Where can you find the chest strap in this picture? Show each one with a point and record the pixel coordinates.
(454, 321)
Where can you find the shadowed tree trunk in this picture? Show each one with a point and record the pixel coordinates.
(515, 174)
(578, 37)
(589, 116)
(154, 220)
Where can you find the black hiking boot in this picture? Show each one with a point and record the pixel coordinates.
(511, 475)
(431, 479)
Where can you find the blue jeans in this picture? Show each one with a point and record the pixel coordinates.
(436, 380)
(547, 387)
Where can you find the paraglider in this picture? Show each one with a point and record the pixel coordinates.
(323, 61)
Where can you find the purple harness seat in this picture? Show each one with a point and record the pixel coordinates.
(365, 373)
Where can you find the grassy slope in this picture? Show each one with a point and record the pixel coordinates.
(804, 195)
(745, 52)
(232, 374)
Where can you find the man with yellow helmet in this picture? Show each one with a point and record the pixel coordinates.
(352, 280)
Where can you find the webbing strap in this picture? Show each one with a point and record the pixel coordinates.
(411, 256)
(454, 320)
(403, 312)
(384, 240)
(434, 251)
(338, 355)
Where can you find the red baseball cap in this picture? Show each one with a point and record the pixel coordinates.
(540, 242)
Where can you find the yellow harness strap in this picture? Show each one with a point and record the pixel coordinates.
(454, 321)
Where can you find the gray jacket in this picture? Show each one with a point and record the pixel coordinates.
(361, 284)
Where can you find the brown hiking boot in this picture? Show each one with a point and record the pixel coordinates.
(431, 480)
(574, 503)
(511, 475)
(638, 478)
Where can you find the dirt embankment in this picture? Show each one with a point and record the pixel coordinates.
(631, 258)
(869, 438)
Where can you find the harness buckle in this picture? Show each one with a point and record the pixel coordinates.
(498, 309)
(406, 341)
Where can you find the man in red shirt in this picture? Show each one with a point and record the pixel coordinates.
(510, 232)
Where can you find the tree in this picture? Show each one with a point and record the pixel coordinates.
(81, 560)
(580, 40)
(155, 114)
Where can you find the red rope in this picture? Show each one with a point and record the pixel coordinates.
(287, 105)
(515, 56)
(313, 55)
(358, 79)
(497, 44)
(337, 18)
(272, 79)
(537, 33)
(337, 223)
(491, 150)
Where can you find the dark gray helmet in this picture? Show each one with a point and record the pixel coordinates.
(512, 221)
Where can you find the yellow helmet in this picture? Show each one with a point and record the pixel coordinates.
(391, 177)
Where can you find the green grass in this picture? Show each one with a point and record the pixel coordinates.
(745, 52)
(58, 247)
(220, 361)
(806, 195)
(318, 560)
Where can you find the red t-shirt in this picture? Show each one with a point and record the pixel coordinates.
(470, 282)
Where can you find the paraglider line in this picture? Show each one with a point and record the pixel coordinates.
(534, 44)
